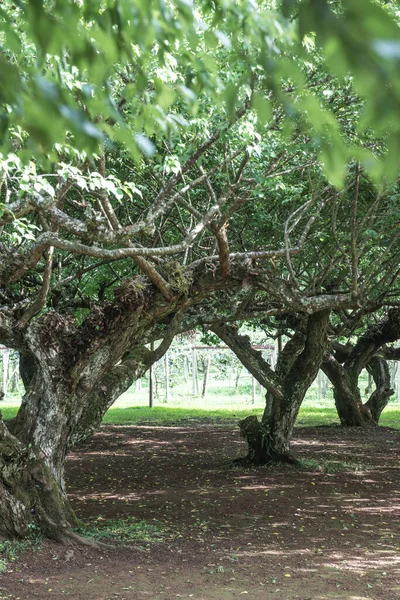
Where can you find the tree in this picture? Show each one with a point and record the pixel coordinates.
(343, 366)
(296, 369)
(86, 347)
(345, 252)
(103, 254)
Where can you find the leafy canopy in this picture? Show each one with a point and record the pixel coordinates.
(122, 70)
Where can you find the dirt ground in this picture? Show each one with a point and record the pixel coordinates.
(327, 530)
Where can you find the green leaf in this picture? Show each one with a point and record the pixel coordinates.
(144, 144)
(334, 159)
(262, 106)
(230, 95)
(210, 40)
(166, 96)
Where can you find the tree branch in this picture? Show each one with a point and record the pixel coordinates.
(354, 236)
(252, 359)
(39, 303)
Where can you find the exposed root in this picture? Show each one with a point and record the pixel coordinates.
(63, 533)
(73, 538)
(68, 537)
(276, 457)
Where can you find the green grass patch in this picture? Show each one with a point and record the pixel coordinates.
(214, 409)
(169, 416)
(11, 550)
(309, 416)
(9, 412)
(391, 416)
(125, 530)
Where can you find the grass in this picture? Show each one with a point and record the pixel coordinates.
(11, 550)
(9, 407)
(169, 415)
(9, 412)
(313, 416)
(124, 530)
(391, 416)
(309, 416)
(226, 405)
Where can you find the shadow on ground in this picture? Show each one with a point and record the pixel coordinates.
(329, 529)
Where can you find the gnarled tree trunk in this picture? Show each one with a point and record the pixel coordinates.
(71, 378)
(296, 369)
(346, 393)
(379, 369)
(344, 366)
(29, 492)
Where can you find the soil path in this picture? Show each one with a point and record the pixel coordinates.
(328, 530)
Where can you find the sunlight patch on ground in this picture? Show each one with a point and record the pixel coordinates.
(382, 565)
(266, 487)
(105, 496)
(379, 509)
(342, 445)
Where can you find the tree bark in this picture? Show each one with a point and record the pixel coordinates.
(51, 419)
(379, 369)
(29, 493)
(71, 378)
(346, 394)
(297, 375)
(296, 369)
(344, 366)
(117, 381)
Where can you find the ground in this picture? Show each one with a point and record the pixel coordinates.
(329, 529)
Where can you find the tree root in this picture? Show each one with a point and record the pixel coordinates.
(283, 458)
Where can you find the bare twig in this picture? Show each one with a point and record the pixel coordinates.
(220, 233)
(159, 205)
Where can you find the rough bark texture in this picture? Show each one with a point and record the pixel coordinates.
(115, 383)
(29, 492)
(72, 374)
(344, 368)
(346, 394)
(296, 369)
(379, 369)
(279, 416)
